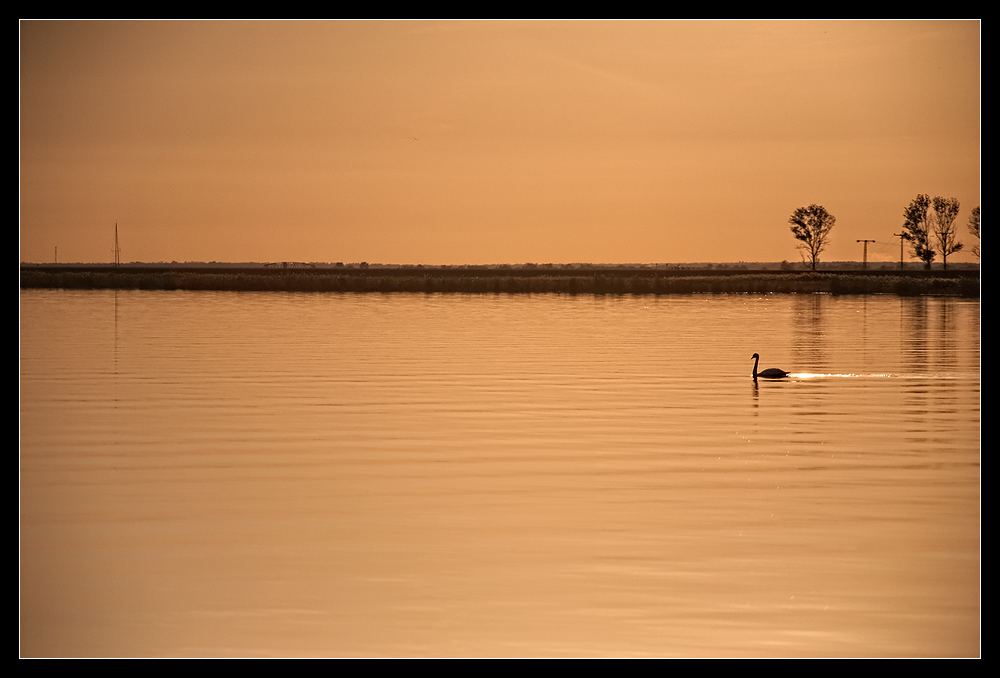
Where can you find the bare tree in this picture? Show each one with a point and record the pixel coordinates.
(917, 229)
(811, 225)
(974, 228)
(943, 224)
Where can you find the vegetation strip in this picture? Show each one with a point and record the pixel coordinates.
(505, 280)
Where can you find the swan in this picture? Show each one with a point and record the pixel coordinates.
(769, 373)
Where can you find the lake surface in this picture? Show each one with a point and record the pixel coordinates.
(276, 474)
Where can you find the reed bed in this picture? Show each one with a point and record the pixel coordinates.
(614, 282)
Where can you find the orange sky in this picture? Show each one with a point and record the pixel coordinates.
(488, 142)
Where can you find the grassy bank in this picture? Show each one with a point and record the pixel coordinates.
(504, 280)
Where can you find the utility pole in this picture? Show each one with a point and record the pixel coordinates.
(864, 264)
(902, 237)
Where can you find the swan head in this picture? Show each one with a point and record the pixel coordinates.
(755, 357)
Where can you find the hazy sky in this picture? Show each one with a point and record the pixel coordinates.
(488, 142)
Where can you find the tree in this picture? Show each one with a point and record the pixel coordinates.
(943, 224)
(917, 229)
(812, 225)
(974, 228)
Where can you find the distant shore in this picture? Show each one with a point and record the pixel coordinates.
(502, 280)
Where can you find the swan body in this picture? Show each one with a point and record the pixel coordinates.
(769, 373)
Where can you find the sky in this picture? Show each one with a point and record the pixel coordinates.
(488, 142)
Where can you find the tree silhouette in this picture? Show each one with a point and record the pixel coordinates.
(974, 228)
(943, 224)
(811, 225)
(917, 229)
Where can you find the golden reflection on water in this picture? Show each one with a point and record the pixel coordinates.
(282, 475)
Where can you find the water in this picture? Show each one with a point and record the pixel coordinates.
(370, 475)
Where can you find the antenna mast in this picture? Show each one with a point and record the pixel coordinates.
(118, 251)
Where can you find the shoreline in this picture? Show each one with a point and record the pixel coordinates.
(503, 280)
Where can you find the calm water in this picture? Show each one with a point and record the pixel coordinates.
(295, 474)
